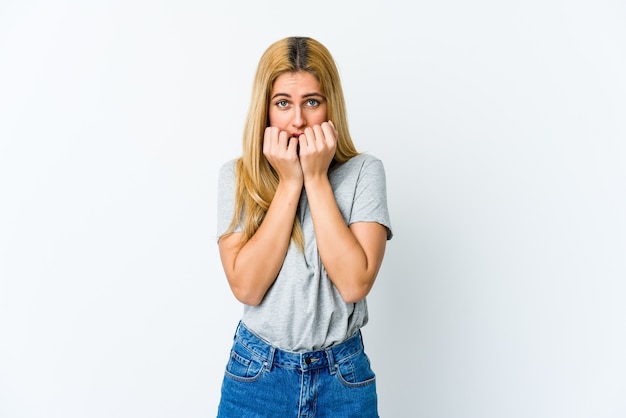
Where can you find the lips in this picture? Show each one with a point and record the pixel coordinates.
(296, 134)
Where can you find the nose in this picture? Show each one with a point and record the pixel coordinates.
(298, 120)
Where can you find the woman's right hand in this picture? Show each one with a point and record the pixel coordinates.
(282, 154)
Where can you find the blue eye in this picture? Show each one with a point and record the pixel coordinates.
(282, 103)
(312, 103)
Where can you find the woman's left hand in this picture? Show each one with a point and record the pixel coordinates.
(317, 149)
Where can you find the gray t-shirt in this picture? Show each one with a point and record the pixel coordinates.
(302, 310)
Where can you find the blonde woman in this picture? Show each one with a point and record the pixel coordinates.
(303, 224)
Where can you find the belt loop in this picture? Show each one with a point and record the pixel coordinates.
(332, 367)
(237, 330)
(270, 359)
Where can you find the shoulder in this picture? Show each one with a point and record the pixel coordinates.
(359, 164)
(364, 159)
(227, 177)
(229, 165)
(228, 169)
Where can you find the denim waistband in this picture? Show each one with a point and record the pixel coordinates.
(328, 357)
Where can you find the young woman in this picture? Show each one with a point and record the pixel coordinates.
(304, 222)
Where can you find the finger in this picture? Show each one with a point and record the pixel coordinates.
(330, 133)
(309, 133)
(267, 139)
(330, 122)
(283, 140)
(319, 134)
(307, 138)
(292, 146)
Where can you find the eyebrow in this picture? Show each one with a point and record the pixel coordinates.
(305, 96)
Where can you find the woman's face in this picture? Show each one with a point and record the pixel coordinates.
(296, 102)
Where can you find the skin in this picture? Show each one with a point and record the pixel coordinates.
(300, 144)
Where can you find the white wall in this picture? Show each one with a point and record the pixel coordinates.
(501, 125)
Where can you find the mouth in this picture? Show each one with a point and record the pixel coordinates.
(296, 134)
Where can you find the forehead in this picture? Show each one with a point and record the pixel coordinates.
(296, 82)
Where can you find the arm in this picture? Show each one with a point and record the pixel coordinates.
(251, 268)
(351, 255)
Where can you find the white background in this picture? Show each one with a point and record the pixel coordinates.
(502, 126)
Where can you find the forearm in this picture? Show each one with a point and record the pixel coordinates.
(341, 253)
(253, 267)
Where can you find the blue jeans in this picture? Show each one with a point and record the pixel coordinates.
(264, 381)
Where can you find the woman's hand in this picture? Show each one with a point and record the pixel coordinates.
(317, 149)
(282, 154)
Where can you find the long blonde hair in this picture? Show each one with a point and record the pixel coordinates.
(256, 179)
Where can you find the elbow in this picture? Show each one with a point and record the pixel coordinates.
(246, 294)
(356, 292)
(247, 287)
(353, 298)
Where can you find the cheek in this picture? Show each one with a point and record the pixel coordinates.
(323, 113)
(319, 117)
(276, 119)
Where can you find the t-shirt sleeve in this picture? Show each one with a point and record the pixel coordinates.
(370, 198)
(226, 197)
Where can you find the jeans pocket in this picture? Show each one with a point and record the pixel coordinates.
(243, 365)
(355, 371)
